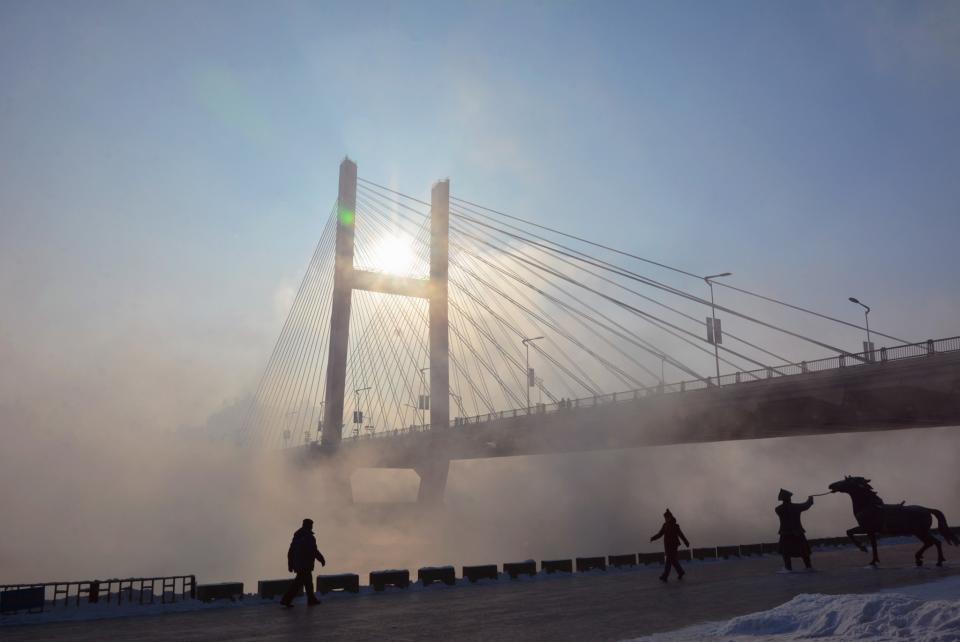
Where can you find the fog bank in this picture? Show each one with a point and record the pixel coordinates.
(108, 504)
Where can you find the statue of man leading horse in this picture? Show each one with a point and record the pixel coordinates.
(874, 517)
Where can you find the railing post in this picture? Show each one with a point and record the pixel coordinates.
(842, 360)
(930, 349)
(803, 367)
(683, 386)
(883, 354)
(769, 373)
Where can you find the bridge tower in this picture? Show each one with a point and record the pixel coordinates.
(346, 279)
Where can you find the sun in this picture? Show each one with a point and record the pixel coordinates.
(393, 254)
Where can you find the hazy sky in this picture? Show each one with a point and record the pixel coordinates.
(166, 167)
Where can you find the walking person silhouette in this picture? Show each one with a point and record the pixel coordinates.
(793, 540)
(671, 534)
(300, 557)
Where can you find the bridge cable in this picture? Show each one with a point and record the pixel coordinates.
(656, 302)
(289, 337)
(658, 353)
(667, 267)
(454, 227)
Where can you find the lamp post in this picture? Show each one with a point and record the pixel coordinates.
(713, 320)
(459, 402)
(423, 385)
(320, 422)
(868, 347)
(526, 344)
(357, 393)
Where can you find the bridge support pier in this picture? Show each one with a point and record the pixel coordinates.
(433, 481)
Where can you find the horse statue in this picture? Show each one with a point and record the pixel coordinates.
(873, 517)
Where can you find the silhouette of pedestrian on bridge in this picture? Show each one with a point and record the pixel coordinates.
(671, 534)
(793, 539)
(300, 560)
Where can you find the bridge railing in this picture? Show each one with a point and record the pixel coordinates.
(879, 356)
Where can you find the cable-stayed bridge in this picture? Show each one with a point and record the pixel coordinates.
(543, 342)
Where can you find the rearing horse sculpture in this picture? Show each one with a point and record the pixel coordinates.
(873, 517)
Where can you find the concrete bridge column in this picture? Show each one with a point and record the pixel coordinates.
(340, 310)
(433, 481)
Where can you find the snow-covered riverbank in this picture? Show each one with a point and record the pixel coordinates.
(920, 613)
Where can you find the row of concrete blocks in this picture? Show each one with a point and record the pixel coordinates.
(379, 580)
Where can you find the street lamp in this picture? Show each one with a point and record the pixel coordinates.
(423, 385)
(320, 421)
(357, 393)
(713, 320)
(866, 317)
(459, 402)
(526, 344)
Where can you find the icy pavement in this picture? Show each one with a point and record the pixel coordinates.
(928, 612)
(613, 605)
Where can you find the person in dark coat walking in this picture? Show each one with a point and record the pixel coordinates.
(300, 557)
(793, 540)
(671, 534)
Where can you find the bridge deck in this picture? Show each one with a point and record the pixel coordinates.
(916, 392)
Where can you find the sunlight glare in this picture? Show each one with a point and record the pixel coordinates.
(393, 254)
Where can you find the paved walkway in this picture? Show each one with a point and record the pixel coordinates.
(596, 606)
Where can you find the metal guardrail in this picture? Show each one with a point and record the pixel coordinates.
(880, 356)
(140, 589)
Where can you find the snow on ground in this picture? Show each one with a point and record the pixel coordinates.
(922, 613)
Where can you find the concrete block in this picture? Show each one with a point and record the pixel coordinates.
(430, 574)
(706, 553)
(515, 569)
(480, 572)
(556, 566)
(349, 582)
(222, 591)
(269, 589)
(585, 564)
(23, 599)
(618, 561)
(651, 558)
(748, 550)
(379, 580)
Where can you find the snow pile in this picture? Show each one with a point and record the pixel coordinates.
(877, 617)
(850, 617)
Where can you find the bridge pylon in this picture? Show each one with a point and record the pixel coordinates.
(347, 278)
